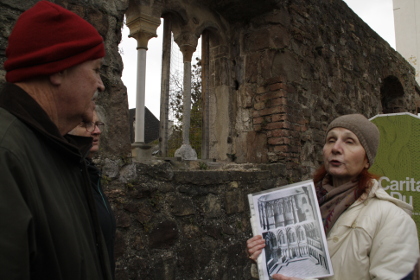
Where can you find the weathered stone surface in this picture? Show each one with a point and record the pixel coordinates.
(140, 190)
(181, 206)
(186, 152)
(157, 169)
(234, 202)
(145, 213)
(192, 257)
(212, 207)
(235, 255)
(123, 219)
(163, 235)
(229, 229)
(120, 245)
(128, 173)
(191, 231)
(131, 207)
(165, 269)
(253, 152)
(257, 40)
(214, 231)
(138, 243)
(111, 168)
(234, 184)
(208, 177)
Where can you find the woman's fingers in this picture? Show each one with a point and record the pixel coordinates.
(254, 246)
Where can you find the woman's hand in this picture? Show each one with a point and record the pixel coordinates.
(283, 277)
(254, 247)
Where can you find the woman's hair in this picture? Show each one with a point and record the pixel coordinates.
(100, 113)
(364, 180)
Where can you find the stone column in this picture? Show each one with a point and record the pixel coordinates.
(142, 29)
(186, 152)
(164, 95)
(140, 90)
(205, 89)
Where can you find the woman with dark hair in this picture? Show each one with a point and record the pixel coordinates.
(370, 234)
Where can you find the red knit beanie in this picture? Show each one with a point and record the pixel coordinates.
(48, 39)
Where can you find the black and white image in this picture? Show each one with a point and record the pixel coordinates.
(289, 220)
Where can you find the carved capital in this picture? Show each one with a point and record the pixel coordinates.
(143, 28)
(187, 42)
(187, 52)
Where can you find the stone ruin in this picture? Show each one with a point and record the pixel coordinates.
(275, 73)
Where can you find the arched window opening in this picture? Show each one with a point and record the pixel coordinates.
(185, 77)
(392, 93)
(128, 51)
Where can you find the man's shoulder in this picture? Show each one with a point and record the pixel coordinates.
(13, 132)
(6, 116)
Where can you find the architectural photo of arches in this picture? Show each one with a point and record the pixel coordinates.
(288, 219)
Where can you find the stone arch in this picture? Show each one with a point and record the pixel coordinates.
(177, 18)
(187, 22)
(213, 31)
(281, 237)
(270, 239)
(301, 234)
(291, 235)
(271, 244)
(187, 29)
(178, 15)
(392, 92)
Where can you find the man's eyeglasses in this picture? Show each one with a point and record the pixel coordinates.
(90, 127)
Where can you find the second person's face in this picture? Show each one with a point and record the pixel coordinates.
(95, 134)
(80, 130)
(344, 156)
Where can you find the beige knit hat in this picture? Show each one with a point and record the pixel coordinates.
(366, 131)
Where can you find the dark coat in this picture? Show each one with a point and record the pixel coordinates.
(105, 213)
(48, 227)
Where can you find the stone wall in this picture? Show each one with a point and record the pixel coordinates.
(178, 223)
(299, 66)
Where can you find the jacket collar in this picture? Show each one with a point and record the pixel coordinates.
(20, 104)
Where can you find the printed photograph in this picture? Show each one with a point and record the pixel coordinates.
(289, 220)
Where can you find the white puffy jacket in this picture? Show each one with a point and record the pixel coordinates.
(374, 239)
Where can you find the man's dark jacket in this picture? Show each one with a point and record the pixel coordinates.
(48, 224)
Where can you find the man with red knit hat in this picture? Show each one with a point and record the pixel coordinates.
(48, 226)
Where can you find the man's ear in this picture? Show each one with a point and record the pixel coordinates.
(57, 78)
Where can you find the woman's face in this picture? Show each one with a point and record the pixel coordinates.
(344, 156)
(80, 130)
(95, 134)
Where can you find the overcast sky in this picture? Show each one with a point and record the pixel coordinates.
(378, 14)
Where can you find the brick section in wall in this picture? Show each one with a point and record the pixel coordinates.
(280, 118)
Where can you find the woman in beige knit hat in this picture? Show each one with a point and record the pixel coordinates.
(370, 234)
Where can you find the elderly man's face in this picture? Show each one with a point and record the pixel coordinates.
(81, 83)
